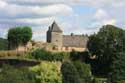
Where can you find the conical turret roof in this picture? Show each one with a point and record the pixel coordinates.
(55, 27)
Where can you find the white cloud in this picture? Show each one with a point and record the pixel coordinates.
(15, 10)
(37, 21)
(34, 16)
(94, 3)
(28, 21)
(101, 14)
(2, 4)
(102, 18)
(111, 21)
(40, 13)
(57, 9)
(39, 33)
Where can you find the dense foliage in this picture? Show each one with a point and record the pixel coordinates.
(9, 74)
(3, 44)
(47, 72)
(107, 45)
(42, 54)
(81, 56)
(69, 73)
(19, 36)
(84, 71)
(118, 68)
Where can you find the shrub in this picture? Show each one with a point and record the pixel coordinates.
(121, 81)
(42, 54)
(100, 80)
(9, 74)
(47, 72)
(82, 56)
(118, 68)
(84, 71)
(61, 56)
(69, 73)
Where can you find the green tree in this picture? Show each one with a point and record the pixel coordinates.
(84, 71)
(26, 35)
(81, 56)
(47, 72)
(105, 45)
(3, 44)
(19, 36)
(118, 68)
(69, 73)
(14, 37)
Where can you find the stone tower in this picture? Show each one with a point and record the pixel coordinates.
(54, 35)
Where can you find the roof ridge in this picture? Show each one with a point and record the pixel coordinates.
(55, 27)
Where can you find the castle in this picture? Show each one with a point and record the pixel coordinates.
(65, 42)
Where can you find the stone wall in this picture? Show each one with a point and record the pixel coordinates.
(56, 39)
(69, 49)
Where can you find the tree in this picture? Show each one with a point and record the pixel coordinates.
(3, 44)
(69, 73)
(14, 37)
(47, 72)
(26, 34)
(19, 36)
(118, 68)
(84, 71)
(105, 45)
(81, 56)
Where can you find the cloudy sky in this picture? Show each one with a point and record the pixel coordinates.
(77, 16)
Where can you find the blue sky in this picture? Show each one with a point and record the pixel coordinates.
(73, 16)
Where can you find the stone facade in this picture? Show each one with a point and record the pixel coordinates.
(54, 35)
(56, 39)
(66, 42)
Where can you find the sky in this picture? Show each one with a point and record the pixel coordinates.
(73, 16)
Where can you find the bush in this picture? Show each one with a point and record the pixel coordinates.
(100, 80)
(118, 68)
(42, 54)
(61, 56)
(47, 72)
(121, 81)
(69, 73)
(82, 56)
(9, 74)
(84, 71)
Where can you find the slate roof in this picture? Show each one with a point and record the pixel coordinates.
(55, 27)
(75, 41)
